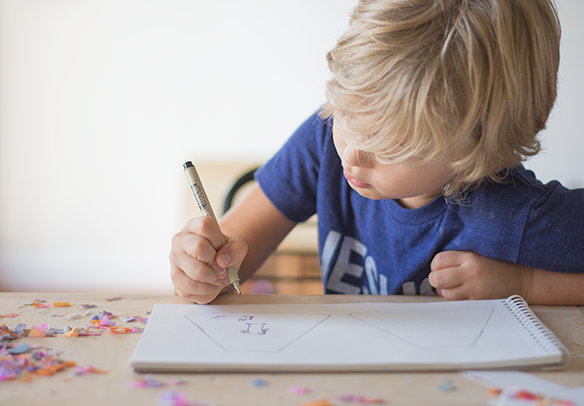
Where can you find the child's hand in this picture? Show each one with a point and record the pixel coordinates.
(459, 275)
(199, 260)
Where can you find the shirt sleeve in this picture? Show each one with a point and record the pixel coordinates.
(289, 179)
(553, 238)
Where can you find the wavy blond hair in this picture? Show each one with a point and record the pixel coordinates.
(472, 80)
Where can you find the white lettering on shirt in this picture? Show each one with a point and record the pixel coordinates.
(344, 267)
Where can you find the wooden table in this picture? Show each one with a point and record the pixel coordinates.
(112, 352)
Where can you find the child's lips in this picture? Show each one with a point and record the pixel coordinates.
(354, 181)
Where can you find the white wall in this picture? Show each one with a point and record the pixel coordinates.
(563, 140)
(102, 101)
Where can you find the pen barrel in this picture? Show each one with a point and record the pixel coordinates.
(199, 191)
(207, 210)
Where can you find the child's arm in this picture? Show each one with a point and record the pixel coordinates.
(458, 275)
(253, 228)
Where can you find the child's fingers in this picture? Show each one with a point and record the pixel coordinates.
(447, 278)
(199, 252)
(447, 259)
(232, 253)
(186, 286)
(201, 296)
(208, 228)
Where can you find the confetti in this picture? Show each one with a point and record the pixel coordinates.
(40, 332)
(111, 299)
(446, 385)
(147, 381)
(364, 400)
(52, 330)
(73, 316)
(41, 305)
(11, 333)
(22, 361)
(259, 382)
(61, 304)
(125, 330)
(8, 316)
(320, 402)
(512, 394)
(106, 321)
(19, 349)
(177, 398)
(88, 369)
(297, 390)
(89, 306)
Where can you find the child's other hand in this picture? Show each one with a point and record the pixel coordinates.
(199, 260)
(459, 275)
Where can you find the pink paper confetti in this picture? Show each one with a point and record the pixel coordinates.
(39, 332)
(88, 369)
(23, 361)
(106, 322)
(297, 390)
(147, 381)
(8, 316)
(177, 398)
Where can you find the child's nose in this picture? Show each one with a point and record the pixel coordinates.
(354, 157)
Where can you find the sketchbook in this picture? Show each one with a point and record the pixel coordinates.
(484, 334)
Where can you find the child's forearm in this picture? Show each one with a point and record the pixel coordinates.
(553, 288)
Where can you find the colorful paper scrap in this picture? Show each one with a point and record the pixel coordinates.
(147, 381)
(177, 398)
(297, 390)
(88, 369)
(364, 400)
(259, 382)
(111, 299)
(11, 333)
(319, 402)
(20, 362)
(89, 306)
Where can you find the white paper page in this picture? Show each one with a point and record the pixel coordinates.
(361, 336)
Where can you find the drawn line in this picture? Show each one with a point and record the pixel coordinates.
(248, 317)
(354, 315)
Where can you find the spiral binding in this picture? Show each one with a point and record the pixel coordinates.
(542, 335)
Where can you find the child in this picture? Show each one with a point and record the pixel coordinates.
(414, 165)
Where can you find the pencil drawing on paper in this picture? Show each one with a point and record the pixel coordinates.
(419, 327)
(431, 328)
(256, 332)
(251, 326)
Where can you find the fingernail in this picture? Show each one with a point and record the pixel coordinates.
(222, 273)
(226, 281)
(224, 258)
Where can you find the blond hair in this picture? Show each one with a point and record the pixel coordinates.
(418, 80)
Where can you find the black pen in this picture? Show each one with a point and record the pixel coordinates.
(207, 210)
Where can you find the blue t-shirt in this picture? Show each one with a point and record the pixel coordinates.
(378, 247)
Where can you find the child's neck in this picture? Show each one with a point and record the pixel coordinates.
(418, 201)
